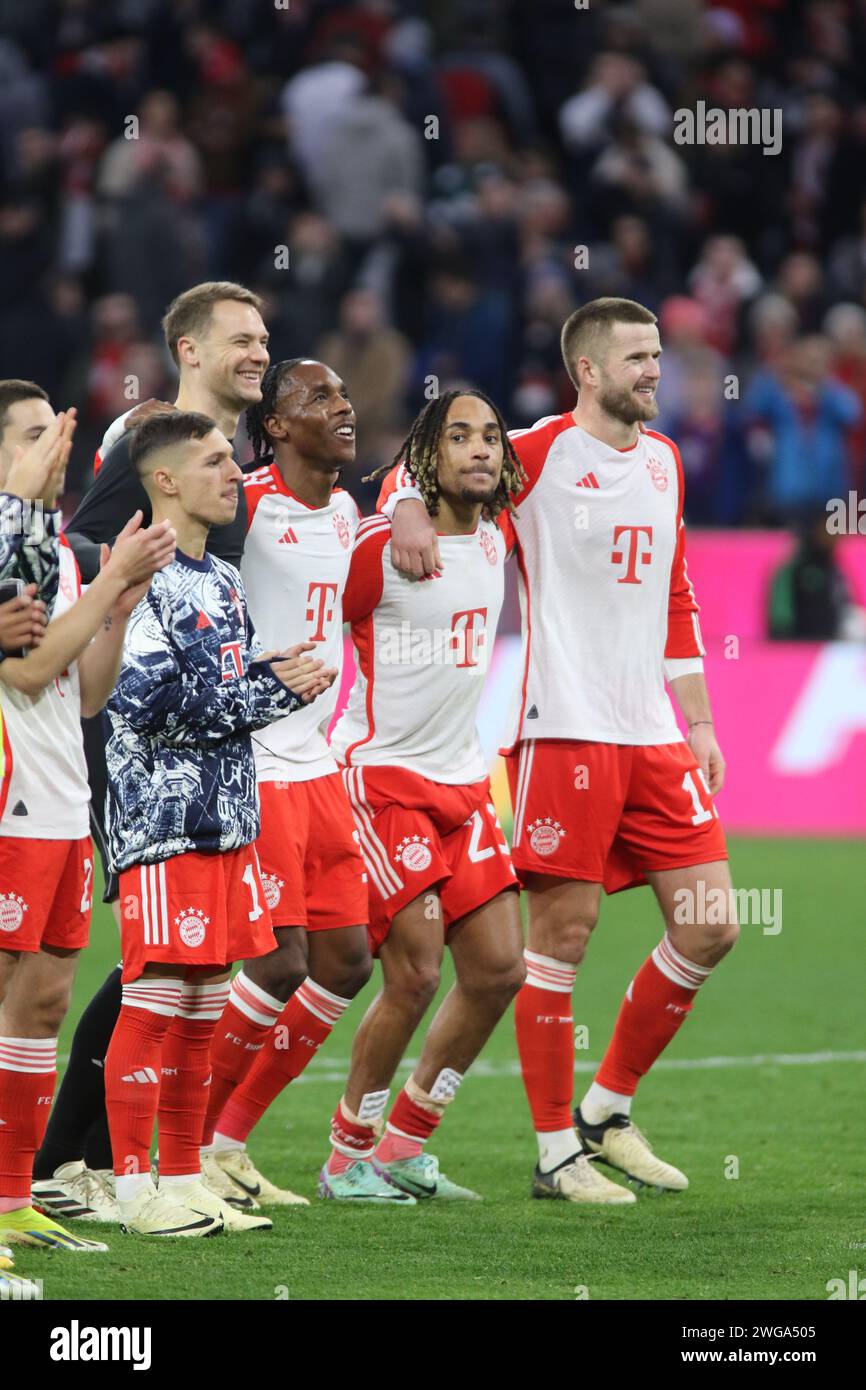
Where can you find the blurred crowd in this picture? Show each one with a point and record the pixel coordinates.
(411, 188)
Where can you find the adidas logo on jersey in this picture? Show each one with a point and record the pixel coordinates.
(12, 909)
(545, 835)
(288, 537)
(19, 809)
(145, 1077)
(202, 621)
(590, 480)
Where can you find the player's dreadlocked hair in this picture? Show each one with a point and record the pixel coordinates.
(272, 389)
(419, 452)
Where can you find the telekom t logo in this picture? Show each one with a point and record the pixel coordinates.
(463, 625)
(645, 556)
(319, 612)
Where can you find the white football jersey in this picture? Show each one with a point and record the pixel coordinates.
(48, 794)
(422, 649)
(295, 565)
(606, 604)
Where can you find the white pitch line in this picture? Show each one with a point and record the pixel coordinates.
(336, 1069)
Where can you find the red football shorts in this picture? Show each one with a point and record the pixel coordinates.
(196, 909)
(416, 834)
(308, 846)
(608, 812)
(46, 889)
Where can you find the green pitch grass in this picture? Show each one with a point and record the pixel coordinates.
(793, 1132)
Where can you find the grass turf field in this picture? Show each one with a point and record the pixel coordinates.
(790, 1221)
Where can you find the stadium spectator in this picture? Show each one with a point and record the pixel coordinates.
(304, 128)
(845, 326)
(808, 416)
(723, 281)
(810, 599)
(373, 360)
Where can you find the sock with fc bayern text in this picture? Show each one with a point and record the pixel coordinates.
(186, 1072)
(416, 1115)
(656, 1004)
(353, 1137)
(241, 1033)
(133, 1077)
(28, 1072)
(77, 1124)
(545, 1040)
(304, 1024)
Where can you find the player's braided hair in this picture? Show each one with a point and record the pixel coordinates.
(419, 452)
(272, 389)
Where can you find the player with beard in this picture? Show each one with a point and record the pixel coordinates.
(218, 342)
(437, 862)
(606, 792)
(296, 561)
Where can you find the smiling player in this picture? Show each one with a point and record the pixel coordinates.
(296, 562)
(605, 790)
(437, 861)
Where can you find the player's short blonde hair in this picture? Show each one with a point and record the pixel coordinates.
(585, 332)
(189, 315)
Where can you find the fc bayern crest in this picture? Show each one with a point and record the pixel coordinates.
(341, 526)
(272, 886)
(545, 835)
(413, 852)
(12, 909)
(488, 545)
(191, 923)
(658, 473)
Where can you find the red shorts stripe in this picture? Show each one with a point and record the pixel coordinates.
(199, 910)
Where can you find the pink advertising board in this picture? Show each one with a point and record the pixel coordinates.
(731, 573)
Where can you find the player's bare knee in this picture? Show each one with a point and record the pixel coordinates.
(503, 979)
(48, 1009)
(280, 973)
(415, 987)
(349, 976)
(724, 939)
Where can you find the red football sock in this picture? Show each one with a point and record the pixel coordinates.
(304, 1024)
(353, 1137)
(186, 1069)
(408, 1129)
(28, 1072)
(655, 1006)
(545, 1040)
(240, 1036)
(133, 1065)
